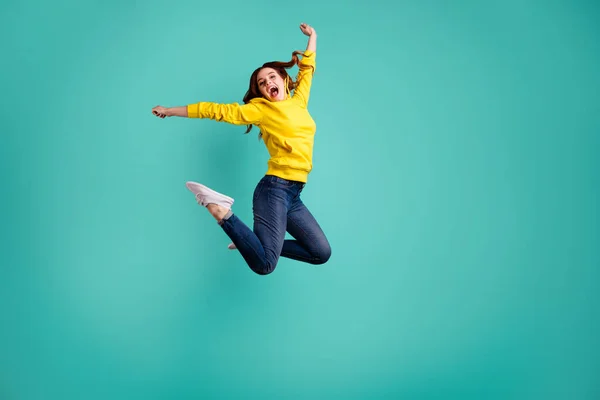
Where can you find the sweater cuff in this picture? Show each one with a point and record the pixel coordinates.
(308, 60)
(308, 56)
(193, 110)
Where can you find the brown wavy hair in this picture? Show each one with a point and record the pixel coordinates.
(281, 68)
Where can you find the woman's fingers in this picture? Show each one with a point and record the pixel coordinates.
(159, 111)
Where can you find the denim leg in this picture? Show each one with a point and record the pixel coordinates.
(311, 244)
(261, 248)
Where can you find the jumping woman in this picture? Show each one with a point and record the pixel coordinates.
(287, 130)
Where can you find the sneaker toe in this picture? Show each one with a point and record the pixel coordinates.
(194, 187)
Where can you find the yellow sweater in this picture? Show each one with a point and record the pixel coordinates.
(288, 129)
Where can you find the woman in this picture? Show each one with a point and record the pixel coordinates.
(288, 132)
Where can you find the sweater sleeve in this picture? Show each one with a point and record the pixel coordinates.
(233, 113)
(305, 74)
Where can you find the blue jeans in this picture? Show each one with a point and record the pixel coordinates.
(277, 207)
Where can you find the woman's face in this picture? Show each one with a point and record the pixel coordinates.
(271, 84)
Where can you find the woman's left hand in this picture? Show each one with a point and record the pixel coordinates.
(307, 29)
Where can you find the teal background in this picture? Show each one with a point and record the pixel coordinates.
(456, 175)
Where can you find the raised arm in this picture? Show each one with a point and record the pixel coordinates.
(306, 66)
(312, 36)
(233, 113)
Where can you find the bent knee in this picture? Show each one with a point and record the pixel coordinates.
(323, 255)
(264, 269)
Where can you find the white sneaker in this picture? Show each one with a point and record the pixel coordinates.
(206, 196)
(231, 246)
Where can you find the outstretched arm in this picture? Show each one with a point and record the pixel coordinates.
(162, 112)
(233, 113)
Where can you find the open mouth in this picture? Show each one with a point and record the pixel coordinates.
(273, 91)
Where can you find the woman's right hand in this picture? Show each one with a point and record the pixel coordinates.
(161, 111)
